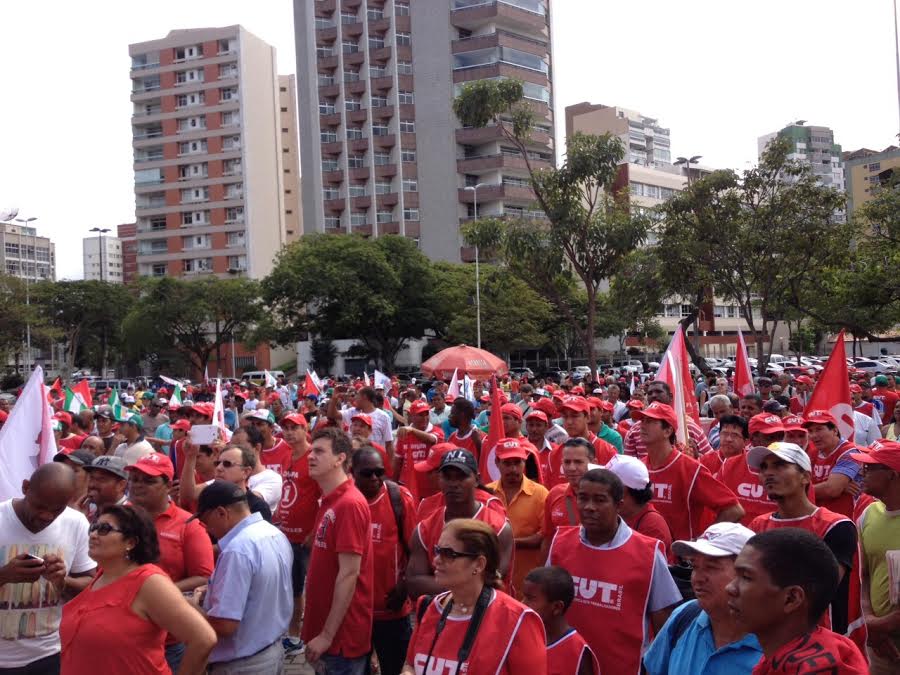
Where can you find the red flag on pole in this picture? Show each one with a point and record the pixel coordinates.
(743, 376)
(309, 385)
(488, 467)
(84, 389)
(832, 391)
(675, 371)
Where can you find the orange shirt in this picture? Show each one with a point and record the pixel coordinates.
(526, 516)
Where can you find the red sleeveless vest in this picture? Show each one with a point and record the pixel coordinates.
(565, 655)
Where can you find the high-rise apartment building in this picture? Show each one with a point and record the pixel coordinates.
(102, 258)
(383, 152)
(127, 236)
(866, 171)
(25, 255)
(645, 141)
(209, 172)
(290, 157)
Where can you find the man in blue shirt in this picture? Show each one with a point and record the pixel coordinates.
(249, 601)
(701, 637)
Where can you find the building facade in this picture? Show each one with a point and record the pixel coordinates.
(865, 171)
(290, 157)
(26, 255)
(102, 259)
(127, 236)
(383, 152)
(209, 187)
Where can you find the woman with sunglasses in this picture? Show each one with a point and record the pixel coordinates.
(118, 624)
(473, 627)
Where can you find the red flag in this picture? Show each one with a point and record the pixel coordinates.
(309, 386)
(488, 467)
(743, 377)
(675, 371)
(832, 391)
(84, 389)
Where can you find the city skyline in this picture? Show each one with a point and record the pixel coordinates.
(716, 89)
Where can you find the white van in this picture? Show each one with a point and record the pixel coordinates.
(259, 376)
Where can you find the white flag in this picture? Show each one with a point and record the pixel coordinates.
(219, 413)
(270, 379)
(469, 388)
(453, 389)
(315, 378)
(169, 380)
(26, 440)
(366, 380)
(382, 380)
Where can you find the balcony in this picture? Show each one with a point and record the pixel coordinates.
(501, 38)
(517, 15)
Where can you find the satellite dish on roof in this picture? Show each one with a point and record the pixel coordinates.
(8, 213)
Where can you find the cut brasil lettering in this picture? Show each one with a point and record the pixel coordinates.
(662, 492)
(750, 491)
(437, 665)
(610, 594)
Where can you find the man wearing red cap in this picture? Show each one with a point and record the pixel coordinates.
(835, 474)
(361, 434)
(576, 411)
(524, 501)
(794, 431)
(682, 487)
(862, 406)
(536, 425)
(800, 398)
(765, 428)
(879, 534)
(413, 442)
(660, 392)
(736, 474)
(628, 421)
(885, 396)
(600, 422)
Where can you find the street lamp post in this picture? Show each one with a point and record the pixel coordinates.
(28, 292)
(687, 161)
(100, 232)
(474, 189)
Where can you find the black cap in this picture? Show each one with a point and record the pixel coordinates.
(79, 457)
(460, 459)
(216, 494)
(772, 406)
(110, 464)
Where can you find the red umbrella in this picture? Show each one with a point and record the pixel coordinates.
(471, 361)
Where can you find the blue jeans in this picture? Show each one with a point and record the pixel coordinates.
(174, 654)
(340, 665)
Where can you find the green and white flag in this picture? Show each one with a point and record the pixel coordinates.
(176, 396)
(120, 412)
(74, 402)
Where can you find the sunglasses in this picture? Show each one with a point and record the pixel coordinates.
(103, 529)
(368, 473)
(227, 463)
(450, 554)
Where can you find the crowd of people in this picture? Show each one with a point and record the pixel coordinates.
(393, 530)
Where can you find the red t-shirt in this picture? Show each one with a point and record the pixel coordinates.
(72, 442)
(185, 549)
(509, 641)
(820, 652)
(652, 524)
(299, 501)
(557, 509)
(277, 457)
(604, 453)
(342, 526)
(712, 461)
(414, 450)
(467, 442)
(888, 400)
(682, 489)
(436, 501)
(388, 555)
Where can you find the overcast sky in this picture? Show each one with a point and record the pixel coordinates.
(719, 74)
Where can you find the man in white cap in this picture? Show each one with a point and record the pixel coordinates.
(637, 506)
(702, 635)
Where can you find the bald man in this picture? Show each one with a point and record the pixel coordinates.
(50, 540)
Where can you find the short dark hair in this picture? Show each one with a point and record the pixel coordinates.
(248, 455)
(795, 557)
(735, 421)
(254, 435)
(753, 397)
(663, 384)
(136, 524)
(607, 478)
(555, 583)
(464, 406)
(581, 443)
(367, 393)
(641, 497)
(340, 442)
(361, 452)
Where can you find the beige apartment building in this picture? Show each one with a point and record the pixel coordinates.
(209, 154)
(290, 157)
(865, 171)
(25, 255)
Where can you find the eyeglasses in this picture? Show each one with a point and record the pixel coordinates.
(227, 463)
(368, 473)
(451, 554)
(103, 529)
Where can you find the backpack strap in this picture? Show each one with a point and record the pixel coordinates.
(393, 491)
(684, 619)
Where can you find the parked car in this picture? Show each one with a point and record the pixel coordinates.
(522, 372)
(874, 366)
(259, 376)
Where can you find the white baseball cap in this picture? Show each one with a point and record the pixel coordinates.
(630, 470)
(719, 540)
(789, 452)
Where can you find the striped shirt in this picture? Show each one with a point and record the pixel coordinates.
(635, 446)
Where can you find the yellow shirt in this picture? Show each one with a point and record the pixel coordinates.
(526, 517)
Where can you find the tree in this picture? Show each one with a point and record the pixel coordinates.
(755, 238)
(381, 292)
(589, 228)
(324, 354)
(15, 315)
(196, 317)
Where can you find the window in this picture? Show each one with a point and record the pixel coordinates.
(237, 263)
(379, 101)
(376, 41)
(356, 161)
(357, 190)
(323, 23)
(406, 98)
(192, 123)
(377, 71)
(354, 133)
(349, 17)
(401, 9)
(231, 167)
(231, 142)
(196, 241)
(324, 52)
(404, 67)
(188, 171)
(188, 76)
(351, 76)
(12, 249)
(332, 221)
(189, 100)
(193, 218)
(404, 40)
(229, 94)
(407, 126)
(385, 217)
(383, 188)
(200, 194)
(515, 181)
(156, 223)
(359, 218)
(235, 239)
(184, 53)
(410, 185)
(325, 80)
(230, 118)
(876, 166)
(326, 107)
(158, 270)
(407, 155)
(375, 13)
(234, 190)
(382, 158)
(352, 104)
(235, 214)
(328, 136)
(330, 192)
(380, 130)
(227, 46)
(197, 265)
(329, 165)
(148, 176)
(411, 214)
(192, 147)
(350, 47)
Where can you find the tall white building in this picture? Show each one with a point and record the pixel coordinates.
(102, 257)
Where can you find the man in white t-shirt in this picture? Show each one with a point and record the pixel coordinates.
(43, 553)
(365, 403)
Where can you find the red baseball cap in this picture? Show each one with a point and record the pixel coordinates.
(793, 423)
(63, 416)
(435, 454)
(635, 404)
(205, 409)
(819, 417)
(576, 403)
(485, 399)
(295, 418)
(659, 411)
(803, 379)
(880, 452)
(154, 464)
(419, 407)
(511, 409)
(364, 418)
(271, 398)
(510, 448)
(595, 402)
(577, 390)
(766, 423)
(855, 389)
(180, 425)
(538, 415)
(607, 406)
(546, 406)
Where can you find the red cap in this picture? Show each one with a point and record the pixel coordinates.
(880, 452)
(511, 409)
(793, 423)
(855, 389)
(435, 454)
(205, 409)
(63, 416)
(364, 418)
(180, 425)
(271, 398)
(419, 407)
(510, 448)
(803, 379)
(3, 415)
(154, 464)
(607, 406)
(295, 418)
(766, 423)
(485, 399)
(819, 417)
(546, 406)
(539, 415)
(173, 405)
(578, 389)
(595, 402)
(659, 411)
(635, 404)
(576, 403)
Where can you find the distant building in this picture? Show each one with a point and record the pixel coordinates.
(290, 157)
(866, 170)
(127, 238)
(25, 255)
(102, 259)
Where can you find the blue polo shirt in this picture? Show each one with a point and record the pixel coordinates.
(696, 653)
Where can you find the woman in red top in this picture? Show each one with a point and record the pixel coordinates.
(473, 627)
(118, 624)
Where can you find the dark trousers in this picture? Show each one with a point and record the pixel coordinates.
(48, 665)
(390, 639)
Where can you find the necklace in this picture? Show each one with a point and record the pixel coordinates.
(459, 607)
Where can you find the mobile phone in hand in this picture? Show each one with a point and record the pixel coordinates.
(29, 556)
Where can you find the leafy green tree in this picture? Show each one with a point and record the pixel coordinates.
(15, 315)
(324, 354)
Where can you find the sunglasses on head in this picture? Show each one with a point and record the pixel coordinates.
(451, 554)
(227, 463)
(103, 529)
(368, 473)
